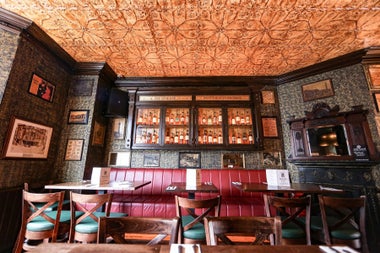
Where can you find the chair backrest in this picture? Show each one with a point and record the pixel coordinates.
(220, 229)
(118, 227)
(89, 204)
(345, 211)
(35, 210)
(292, 211)
(197, 208)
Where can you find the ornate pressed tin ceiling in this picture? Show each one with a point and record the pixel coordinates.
(171, 38)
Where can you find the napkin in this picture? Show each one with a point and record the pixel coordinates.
(171, 188)
(185, 248)
(337, 249)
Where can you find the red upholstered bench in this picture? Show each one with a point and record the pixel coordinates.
(154, 201)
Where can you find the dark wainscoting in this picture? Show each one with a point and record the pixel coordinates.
(353, 176)
(10, 218)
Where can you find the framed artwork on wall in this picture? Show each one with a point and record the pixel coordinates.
(152, 160)
(270, 129)
(98, 134)
(78, 116)
(41, 88)
(74, 149)
(271, 159)
(27, 139)
(119, 128)
(374, 76)
(268, 97)
(233, 161)
(189, 160)
(317, 90)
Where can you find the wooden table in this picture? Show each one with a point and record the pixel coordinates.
(181, 187)
(294, 188)
(133, 248)
(85, 185)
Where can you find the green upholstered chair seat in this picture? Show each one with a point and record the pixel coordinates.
(89, 226)
(41, 224)
(345, 234)
(292, 231)
(197, 232)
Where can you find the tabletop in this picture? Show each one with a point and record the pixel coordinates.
(294, 188)
(137, 248)
(86, 185)
(181, 187)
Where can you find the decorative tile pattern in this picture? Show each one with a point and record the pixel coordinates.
(205, 38)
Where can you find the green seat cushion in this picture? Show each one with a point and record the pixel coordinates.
(197, 232)
(41, 224)
(89, 226)
(292, 231)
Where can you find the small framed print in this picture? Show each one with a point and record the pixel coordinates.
(268, 97)
(98, 134)
(119, 128)
(41, 88)
(74, 149)
(78, 117)
(374, 76)
(376, 98)
(26, 139)
(189, 160)
(271, 159)
(233, 161)
(269, 125)
(317, 90)
(152, 160)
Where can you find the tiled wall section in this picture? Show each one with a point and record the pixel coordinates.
(32, 58)
(8, 42)
(350, 87)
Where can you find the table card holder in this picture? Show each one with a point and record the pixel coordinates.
(277, 177)
(100, 175)
(193, 178)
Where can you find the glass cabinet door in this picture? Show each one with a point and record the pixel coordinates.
(148, 126)
(177, 126)
(210, 130)
(240, 129)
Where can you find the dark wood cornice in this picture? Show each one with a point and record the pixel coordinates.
(12, 22)
(372, 56)
(180, 82)
(101, 69)
(323, 67)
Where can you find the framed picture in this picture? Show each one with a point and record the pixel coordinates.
(74, 149)
(317, 90)
(82, 87)
(119, 128)
(269, 127)
(376, 98)
(271, 159)
(98, 134)
(374, 76)
(189, 160)
(233, 161)
(268, 97)
(78, 117)
(152, 160)
(27, 139)
(41, 88)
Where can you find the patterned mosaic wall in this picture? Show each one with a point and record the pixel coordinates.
(17, 101)
(350, 89)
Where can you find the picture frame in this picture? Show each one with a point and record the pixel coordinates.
(119, 128)
(82, 87)
(189, 160)
(41, 88)
(26, 139)
(78, 117)
(376, 98)
(374, 77)
(151, 160)
(74, 148)
(317, 90)
(233, 161)
(270, 128)
(271, 159)
(98, 134)
(268, 97)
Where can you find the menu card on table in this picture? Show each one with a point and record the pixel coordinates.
(277, 177)
(100, 175)
(193, 178)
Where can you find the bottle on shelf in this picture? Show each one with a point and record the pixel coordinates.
(233, 120)
(238, 139)
(250, 137)
(214, 119)
(181, 138)
(149, 119)
(187, 118)
(167, 138)
(140, 119)
(237, 118)
(172, 138)
(176, 138)
(200, 138)
(209, 137)
(187, 137)
(220, 118)
(204, 141)
(233, 138)
(204, 120)
(154, 119)
(177, 119)
(220, 138)
(167, 118)
(154, 137)
(209, 120)
(244, 138)
(247, 118)
(182, 118)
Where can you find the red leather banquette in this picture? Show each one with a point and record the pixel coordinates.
(154, 201)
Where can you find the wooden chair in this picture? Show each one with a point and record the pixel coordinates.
(259, 229)
(192, 229)
(84, 228)
(343, 221)
(39, 222)
(118, 227)
(295, 217)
